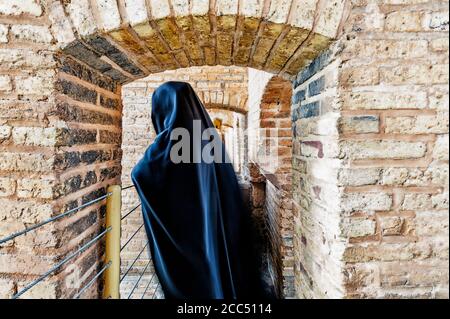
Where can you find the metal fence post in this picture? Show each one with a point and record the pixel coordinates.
(112, 254)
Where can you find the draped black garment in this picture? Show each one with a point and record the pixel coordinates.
(199, 229)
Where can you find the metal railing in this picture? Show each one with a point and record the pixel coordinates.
(141, 274)
(110, 267)
(71, 256)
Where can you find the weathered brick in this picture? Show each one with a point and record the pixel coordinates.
(82, 53)
(439, 98)
(40, 84)
(7, 186)
(160, 8)
(76, 91)
(359, 177)
(415, 74)
(299, 96)
(418, 201)
(90, 157)
(313, 68)
(71, 113)
(435, 174)
(391, 226)
(109, 14)
(34, 136)
(108, 137)
(5, 84)
(28, 162)
(366, 201)
(386, 252)
(383, 149)
(3, 33)
(306, 111)
(360, 124)
(404, 21)
(70, 66)
(438, 21)
(422, 124)
(358, 227)
(136, 11)
(387, 49)
(199, 7)
(80, 13)
(316, 87)
(6, 288)
(109, 173)
(429, 223)
(110, 103)
(441, 148)
(32, 33)
(70, 137)
(77, 228)
(18, 7)
(440, 201)
(72, 184)
(385, 100)
(360, 76)
(61, 26)
(23, 59)
(5, 132)
(67, 160)
(439, 44)
(103, 46)
(35, 188)
(412, 275)
(93, 195)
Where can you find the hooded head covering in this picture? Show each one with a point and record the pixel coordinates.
(198, 226)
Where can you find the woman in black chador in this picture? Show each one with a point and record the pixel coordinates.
(198, 226)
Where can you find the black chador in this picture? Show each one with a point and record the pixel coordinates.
(198, 226)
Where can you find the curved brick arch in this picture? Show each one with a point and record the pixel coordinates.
(129, 39)
(270, 124)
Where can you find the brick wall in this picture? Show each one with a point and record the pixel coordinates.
(269, 133)
(27, 142)
(371, 175)
(318, 245)
(60, 124)
(394, 139)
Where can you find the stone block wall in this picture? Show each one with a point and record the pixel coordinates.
(60, 148)
(394, 142)
(371, 157)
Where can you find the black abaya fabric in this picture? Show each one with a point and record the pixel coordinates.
(199, 229)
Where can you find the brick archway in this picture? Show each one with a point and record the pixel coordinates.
(130, 39)
(370, 128)
(106, 44)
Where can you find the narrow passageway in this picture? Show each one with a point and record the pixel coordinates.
(226, 92)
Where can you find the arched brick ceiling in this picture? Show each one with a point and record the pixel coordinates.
(128, 39)
(218, 87)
